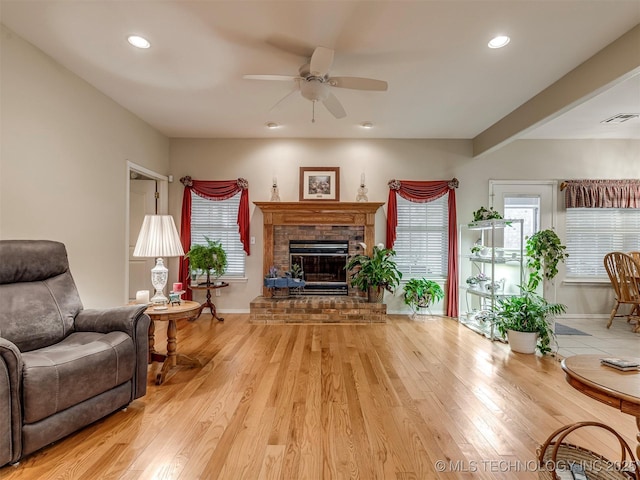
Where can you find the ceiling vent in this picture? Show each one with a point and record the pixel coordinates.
(621, 118)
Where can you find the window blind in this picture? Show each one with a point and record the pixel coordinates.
(218, 220)
(422, 239)
(594, 232)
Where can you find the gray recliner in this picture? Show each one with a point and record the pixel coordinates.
(61, 367)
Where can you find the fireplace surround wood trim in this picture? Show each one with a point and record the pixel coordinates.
(315, 213)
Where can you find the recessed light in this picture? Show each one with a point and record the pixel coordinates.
(499, 41)
(138, 41)
(366, 125)
(272, 125)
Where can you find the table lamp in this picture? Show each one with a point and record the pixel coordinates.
(158, 238)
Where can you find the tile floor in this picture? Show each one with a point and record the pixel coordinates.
(618, 341)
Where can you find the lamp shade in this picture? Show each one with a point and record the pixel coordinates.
(158, 238)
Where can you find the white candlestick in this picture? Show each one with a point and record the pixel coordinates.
(275, 181)
(362, 178)
(142, 297)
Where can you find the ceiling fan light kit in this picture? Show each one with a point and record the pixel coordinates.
(314, 82)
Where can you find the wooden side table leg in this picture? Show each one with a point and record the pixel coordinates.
(170, 361)
(214, 313)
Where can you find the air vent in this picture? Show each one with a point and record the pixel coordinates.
(621, 118)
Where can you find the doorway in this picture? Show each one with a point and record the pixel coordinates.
(147, 195)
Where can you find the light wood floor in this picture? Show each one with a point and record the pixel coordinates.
(388, 401)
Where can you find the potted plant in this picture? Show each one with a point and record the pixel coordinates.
(374, 274)
(528, 314)
(210, 258)
(544, 250)
(486, 214)
(421, 293)
(296, 272)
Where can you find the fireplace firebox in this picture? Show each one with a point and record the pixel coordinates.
(323, 264)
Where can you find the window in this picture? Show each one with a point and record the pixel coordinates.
(594, 232)
(422, 241)
(218, 220)
(527, 208)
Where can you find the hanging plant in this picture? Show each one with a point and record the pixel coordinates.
(544, 251)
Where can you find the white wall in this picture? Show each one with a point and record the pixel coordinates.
(63, 166)
(381, 160)
(64, 148)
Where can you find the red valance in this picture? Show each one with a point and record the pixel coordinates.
(215, 190)
(602, 193)
(421, 192)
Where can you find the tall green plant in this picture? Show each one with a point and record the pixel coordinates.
(379, 270)
(544, 251)
(528, 312)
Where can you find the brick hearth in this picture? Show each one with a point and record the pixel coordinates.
(316, 309)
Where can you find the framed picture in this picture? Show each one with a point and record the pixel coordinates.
(320, 183)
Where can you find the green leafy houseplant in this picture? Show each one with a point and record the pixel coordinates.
(210, 258)
(379, 271)
(296, 271)
(486, 214)
(544, 251)
(528, 313)
(421, 293)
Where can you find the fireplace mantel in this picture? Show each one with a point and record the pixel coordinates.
(316, 213)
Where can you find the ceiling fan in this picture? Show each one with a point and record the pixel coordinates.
(314, 82)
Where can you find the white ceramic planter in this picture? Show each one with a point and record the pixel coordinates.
(522, 342)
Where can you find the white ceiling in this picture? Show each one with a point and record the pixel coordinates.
(443, 80)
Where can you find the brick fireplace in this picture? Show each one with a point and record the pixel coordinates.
(353, 222)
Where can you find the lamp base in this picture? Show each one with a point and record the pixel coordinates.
(159, 298)
(159, 275)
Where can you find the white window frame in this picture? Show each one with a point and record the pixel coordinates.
(419, 262)
(218, 220)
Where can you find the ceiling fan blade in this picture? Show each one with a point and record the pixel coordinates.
(321, 61)
(359, 83)
(334, 106)
(284, 78)
(284, 98)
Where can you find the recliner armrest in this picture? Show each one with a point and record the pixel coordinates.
(109, 319)
(10, 402)
(130, 319)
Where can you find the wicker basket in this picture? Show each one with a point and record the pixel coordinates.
(555, 456)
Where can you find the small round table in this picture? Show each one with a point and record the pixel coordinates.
(209, 304)
(616, 388)
(172, 313)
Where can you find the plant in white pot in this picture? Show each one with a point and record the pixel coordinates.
(528, 314)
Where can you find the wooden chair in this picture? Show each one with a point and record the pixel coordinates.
(624, 274)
